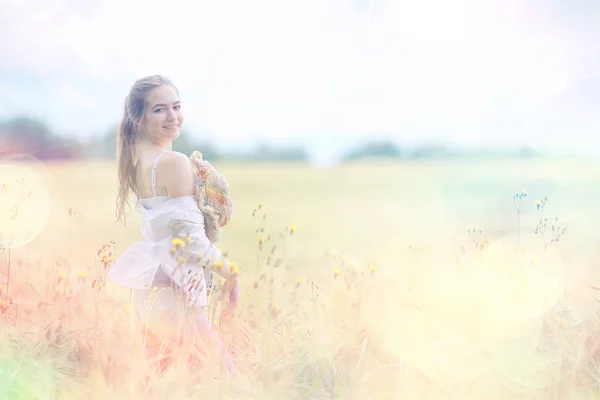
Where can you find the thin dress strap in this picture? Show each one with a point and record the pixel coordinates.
(154, 173)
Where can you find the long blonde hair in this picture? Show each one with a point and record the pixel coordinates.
(130, 130)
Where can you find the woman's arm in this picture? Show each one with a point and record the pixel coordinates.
(176, 174)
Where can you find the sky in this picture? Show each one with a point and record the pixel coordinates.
(465, 72)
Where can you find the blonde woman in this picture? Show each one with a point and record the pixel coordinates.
(169, 288)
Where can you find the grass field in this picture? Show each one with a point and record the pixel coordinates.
(408, 281)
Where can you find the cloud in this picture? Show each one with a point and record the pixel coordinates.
(465, 70)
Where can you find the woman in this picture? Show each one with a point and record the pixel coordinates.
(169, 272)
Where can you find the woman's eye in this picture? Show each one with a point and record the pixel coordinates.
(157, 110)
(177, 107)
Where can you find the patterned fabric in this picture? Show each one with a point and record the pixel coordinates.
(212, 196)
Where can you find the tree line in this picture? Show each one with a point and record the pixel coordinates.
(32, 136)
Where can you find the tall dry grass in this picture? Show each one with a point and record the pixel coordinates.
(401, 305)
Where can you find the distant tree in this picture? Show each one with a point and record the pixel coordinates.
(186, 144)
(24, 133)
(265, 152)
(379, 149)
(31, 136)
(432, 151)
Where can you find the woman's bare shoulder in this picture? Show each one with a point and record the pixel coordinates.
(174, 159)
(175, 172)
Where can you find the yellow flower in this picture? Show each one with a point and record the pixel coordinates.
(261, 239)
(275, 309)
(218, 263)
(188, 239)
(178, 242)
(173, 250)
(372, 268)
(336, 271)
(293, 228)
(538, 202)
(234, 268)
(106, 259)
(82, 275)
(260, 205)
(180, 260)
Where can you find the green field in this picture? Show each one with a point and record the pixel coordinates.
(410, 304)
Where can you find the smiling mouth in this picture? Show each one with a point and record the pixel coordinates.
(171, 126)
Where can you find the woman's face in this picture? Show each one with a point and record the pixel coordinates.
(163, 117)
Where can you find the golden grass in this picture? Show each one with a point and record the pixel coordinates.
(380, 291)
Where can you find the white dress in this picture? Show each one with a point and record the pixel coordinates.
(168, 297)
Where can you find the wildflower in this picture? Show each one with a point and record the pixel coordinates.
(336, 272)
(234, 268)
(173, 251)
(261, 239)
(256, 284)
(106, 259)
(362, 334)
(178, 242)
(180, 260)
(188, 239)
(218, 263)
(275, 309)
(98, 284)
(299, 281)
(292, 229)
(82, 275)
(260, 205)
(372, 268)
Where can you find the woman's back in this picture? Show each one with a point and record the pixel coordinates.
(163, 173)
(145, 175)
